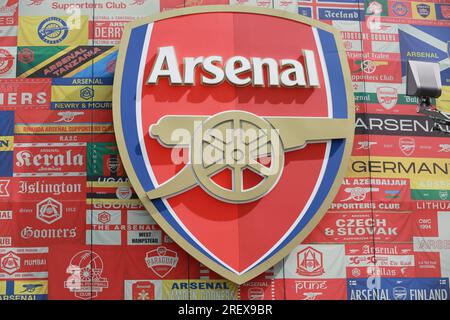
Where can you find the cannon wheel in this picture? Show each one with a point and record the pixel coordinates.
(238, 141)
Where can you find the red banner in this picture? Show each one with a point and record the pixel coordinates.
(82, 272)
(306, 289)
(50, 159)
(368, 195)
(380, 260)
(23, 263)
(49, 221)
(397, 146)
(363, 227)
(28, 94)
(167, 261)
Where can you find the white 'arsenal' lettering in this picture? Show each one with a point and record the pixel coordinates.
(237, 70)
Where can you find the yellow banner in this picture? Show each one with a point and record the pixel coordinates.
(199, 290)
(423, 10)
(52, 31)
(30, 287)
(6, 143)
(431, 184)
(81, 93)
(2, 287)
(443, 103)
(76, 128)
(421, 171)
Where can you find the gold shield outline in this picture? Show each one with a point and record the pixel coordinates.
(239, 279)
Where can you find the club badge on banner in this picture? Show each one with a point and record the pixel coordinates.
(52, 31)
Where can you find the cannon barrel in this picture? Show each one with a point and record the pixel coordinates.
(295, 132)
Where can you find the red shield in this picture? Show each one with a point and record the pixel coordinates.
(161, 260)
(174, 77)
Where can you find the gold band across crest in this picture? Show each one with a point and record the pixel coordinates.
(271, 137)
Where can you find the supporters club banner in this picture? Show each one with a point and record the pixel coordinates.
(397, 125)
(81, 273)
(24, 290)
(63, 61)
(260, 289)
(105, 159)
(319, 289)
(72, 225)
(50, 221)
(123, 227)
(181, 290)
(23, 263)
(7, 62)
(436, 244)
(50, 159)
(81, 93)
(52, 31)
(363, 227)
(103, 8)
(398, 289)
(62, 122)
(401, 146)
(8, 22)
(315, 261)
(380, 260)
(368, 195)
(29, 94)
(421, 172)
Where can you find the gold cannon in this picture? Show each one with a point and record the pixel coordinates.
(238, 140)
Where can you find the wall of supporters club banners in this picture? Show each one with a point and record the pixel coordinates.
(65, 200)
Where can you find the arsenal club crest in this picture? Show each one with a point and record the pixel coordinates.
(235, 127)
(387, 97)
(407, 145)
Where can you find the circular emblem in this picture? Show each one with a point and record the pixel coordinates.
(400, 9)
(25, 55)
(85, 278)
(123, 193)
(53, 30)
(243, 136)
(368, 66)
(6, 61)
(358, 194)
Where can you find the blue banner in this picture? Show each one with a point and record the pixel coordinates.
(398, 289)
